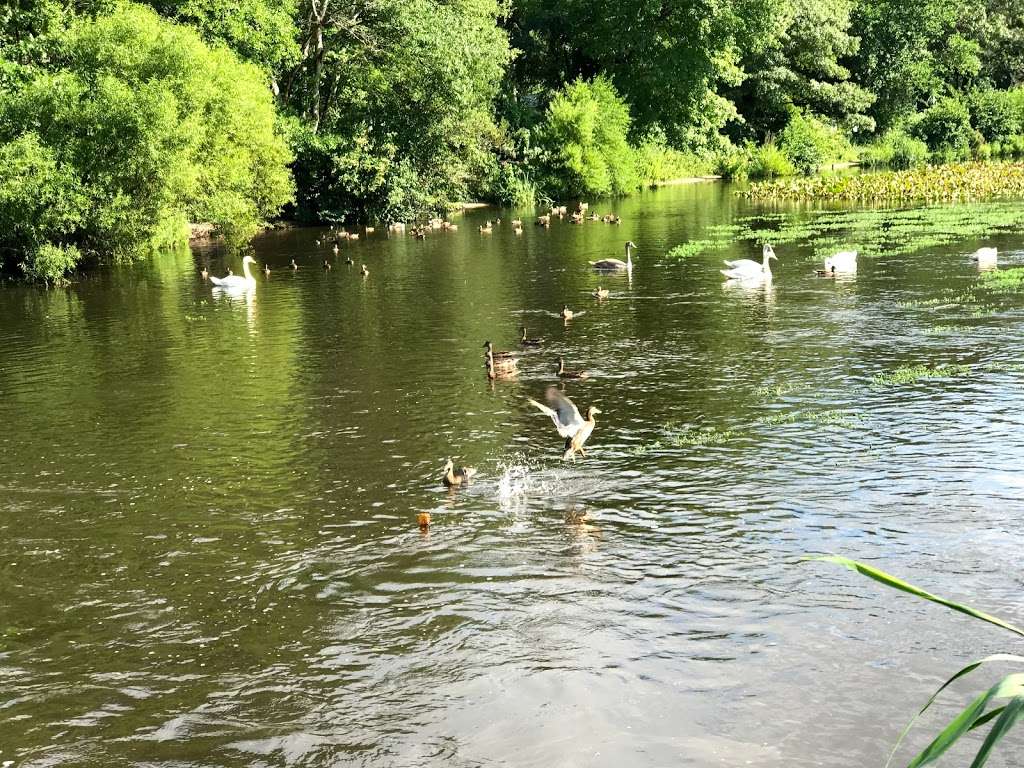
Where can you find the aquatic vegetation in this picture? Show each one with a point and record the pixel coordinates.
(837, 418)
(956, 182)
(693, 247)
(1008, 692)
(911, 373)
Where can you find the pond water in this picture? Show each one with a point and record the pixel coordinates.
(208, 543)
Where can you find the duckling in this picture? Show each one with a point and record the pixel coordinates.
(364, 271)
(600, 293)
(544, 221)
(349, 261)
(567, 314)
(582, 207)
(335, 248)
(517, 222)
(487, 227)
(453, 227)
(266, 270)
(593, 217)
(205, 273)
(294, 265)
(453, 477)
(318, 241)
(354, 236)
(327, 264)
(369, 230)
(526, 342)
(419, 234)
(562, 210)
(576, 218)
(566, 374)
(517, 230)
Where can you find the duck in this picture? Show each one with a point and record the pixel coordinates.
(517, 222)
(748, 269)
(497, 356)
(454, 477)
(574, 428)
(233, 281)
(517, 230)
(562, 210)
(364, 271)
(567, 374)
(527, 342)
(544, 221)
(327, 264)
(294, 265)
(567, 314)
(349, 260)
(600, 293)
(987, 258)
(335, 248)
(205, 273)
(612, 265)
(486, 227)
(844, 262)
(266, 270)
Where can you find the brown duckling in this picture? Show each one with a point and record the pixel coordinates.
(567, 374)
(544, 221)
(486, 227)
(600, 293)
(364, 271)
(454, 477)
(527, 342)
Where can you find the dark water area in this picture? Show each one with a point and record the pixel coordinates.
(208, 544)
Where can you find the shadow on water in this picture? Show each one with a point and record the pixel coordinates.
(209, 549)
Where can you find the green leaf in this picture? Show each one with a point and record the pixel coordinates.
(1011, 686)
(891, 581)
(1012, 712)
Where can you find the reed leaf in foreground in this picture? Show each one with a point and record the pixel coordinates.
(974, 715)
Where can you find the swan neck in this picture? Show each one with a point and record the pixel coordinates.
(246, 272)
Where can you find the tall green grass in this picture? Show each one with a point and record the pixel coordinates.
(1007, 695)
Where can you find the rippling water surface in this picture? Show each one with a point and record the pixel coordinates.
(208, 542)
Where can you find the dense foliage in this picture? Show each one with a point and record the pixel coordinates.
(215, 110)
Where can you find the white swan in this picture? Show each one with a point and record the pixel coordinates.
(748, 269)
(617, 264)
(234, 282)
(844, 262)
(986, 258)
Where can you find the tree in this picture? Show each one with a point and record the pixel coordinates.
(137, 128)
(803, 65)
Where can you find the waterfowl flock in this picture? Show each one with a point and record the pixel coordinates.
(574, 428)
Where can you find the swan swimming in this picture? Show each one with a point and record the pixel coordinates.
(617, 264)
(748, 269)
(987, 258)
(844, 262)
(234, 281)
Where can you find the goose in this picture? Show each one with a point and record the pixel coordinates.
(748, 269)
(501, 369)
(294, 265)
(527, 342)
(600, 293)
(844, 262)
(364, 271)
(497, 356)
(567, 374)
(454, 477)
(570, 425)
(609, 265)
(986, 258)
(234, 281)
(567, 314)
